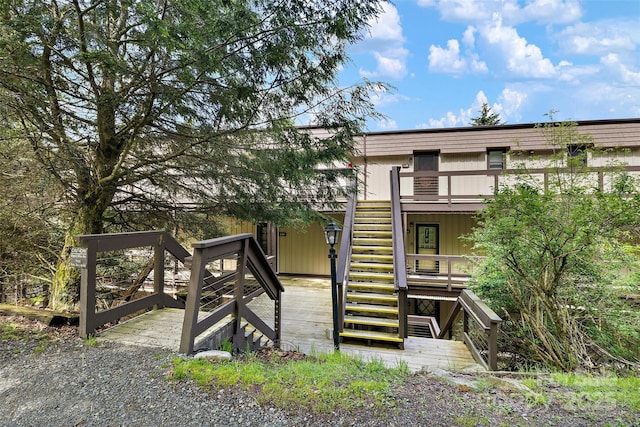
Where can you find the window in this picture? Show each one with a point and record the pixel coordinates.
(576, 155)
(425, 185)
(495, 159)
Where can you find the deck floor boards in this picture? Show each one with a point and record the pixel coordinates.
(306, 321)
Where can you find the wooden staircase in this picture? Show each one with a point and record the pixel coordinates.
(371, 310)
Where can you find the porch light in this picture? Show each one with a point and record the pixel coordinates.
(331, 235)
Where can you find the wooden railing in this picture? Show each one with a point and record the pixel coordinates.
(399, 263)
(480, 328)
(85, 258)
(447, 274)
(344, 257)
(496, 178)
(250, 262)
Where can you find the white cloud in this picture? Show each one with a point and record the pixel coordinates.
(387, 124)
(449, 60)
(387, 67)
(511, 101)
(541, 11)
(617, 67)
(463, 10)
(508, 105)
(468, 37)
(383, 98)
(385, 42)
(597, 38)
(551, 11)
(521, 58)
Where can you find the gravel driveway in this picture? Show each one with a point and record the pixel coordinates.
(69, 384)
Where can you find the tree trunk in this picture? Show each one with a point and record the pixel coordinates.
(65, 287)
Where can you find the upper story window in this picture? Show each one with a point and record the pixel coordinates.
(495, 159)
(576, 155)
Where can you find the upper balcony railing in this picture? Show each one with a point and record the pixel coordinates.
(474, 186)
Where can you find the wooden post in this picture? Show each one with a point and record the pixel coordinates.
(88, 293)
(492, 335)
(193, 302)
(241, 270)
(158, 268)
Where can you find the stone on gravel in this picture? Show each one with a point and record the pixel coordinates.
(213, 355)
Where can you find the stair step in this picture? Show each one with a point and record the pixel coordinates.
(378, 234)
(371, 257)
(359, 266)
(372, 309)
(372, 241)
(371, 335)
(385, 202)
(372, 226)
(369, 297)
(371, 321)
(364, 276)
(363, 248)
(363, 219)
(372, 287)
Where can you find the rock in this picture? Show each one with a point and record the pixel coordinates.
(213, 355)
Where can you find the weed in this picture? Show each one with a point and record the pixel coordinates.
(91, 341)
(227, 345)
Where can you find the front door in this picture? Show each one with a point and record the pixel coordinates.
(427, 243)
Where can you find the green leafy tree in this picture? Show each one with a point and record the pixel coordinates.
(555, 257)
(487, 117)
(30, 232)
(145, 110)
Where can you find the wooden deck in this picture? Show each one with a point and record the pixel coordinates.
(306, 320)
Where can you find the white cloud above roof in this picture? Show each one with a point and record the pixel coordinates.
(450, 60)
(384, 42)
(520, 57)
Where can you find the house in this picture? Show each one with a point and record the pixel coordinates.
(443, 177)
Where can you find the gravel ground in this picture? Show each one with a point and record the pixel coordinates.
(69, 384)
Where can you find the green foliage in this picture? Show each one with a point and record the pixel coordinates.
(487, 117)
(30, 232)
(323, 384)
(554, 249)
(582, 390)
(182, 112)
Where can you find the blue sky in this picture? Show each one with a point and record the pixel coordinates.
(524, 58)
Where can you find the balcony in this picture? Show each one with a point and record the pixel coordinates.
(468, 190)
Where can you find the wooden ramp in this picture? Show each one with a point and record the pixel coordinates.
(306, 322)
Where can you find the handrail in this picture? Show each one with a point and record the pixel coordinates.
(250, 259)
(91, 244)
(475, 309)
(344, 257)
(399, 259)
(451, 278)
(449, 196)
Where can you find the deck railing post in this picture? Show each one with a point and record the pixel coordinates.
(492, 335)
(88, 293)
(193, 301)
(158, 269)
(241, 270)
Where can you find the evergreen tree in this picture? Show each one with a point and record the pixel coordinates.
(140, 108)
(487, 117)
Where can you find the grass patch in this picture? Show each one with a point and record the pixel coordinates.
(16, 332)
(90, 341)
(588, 389)
(320, 384)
